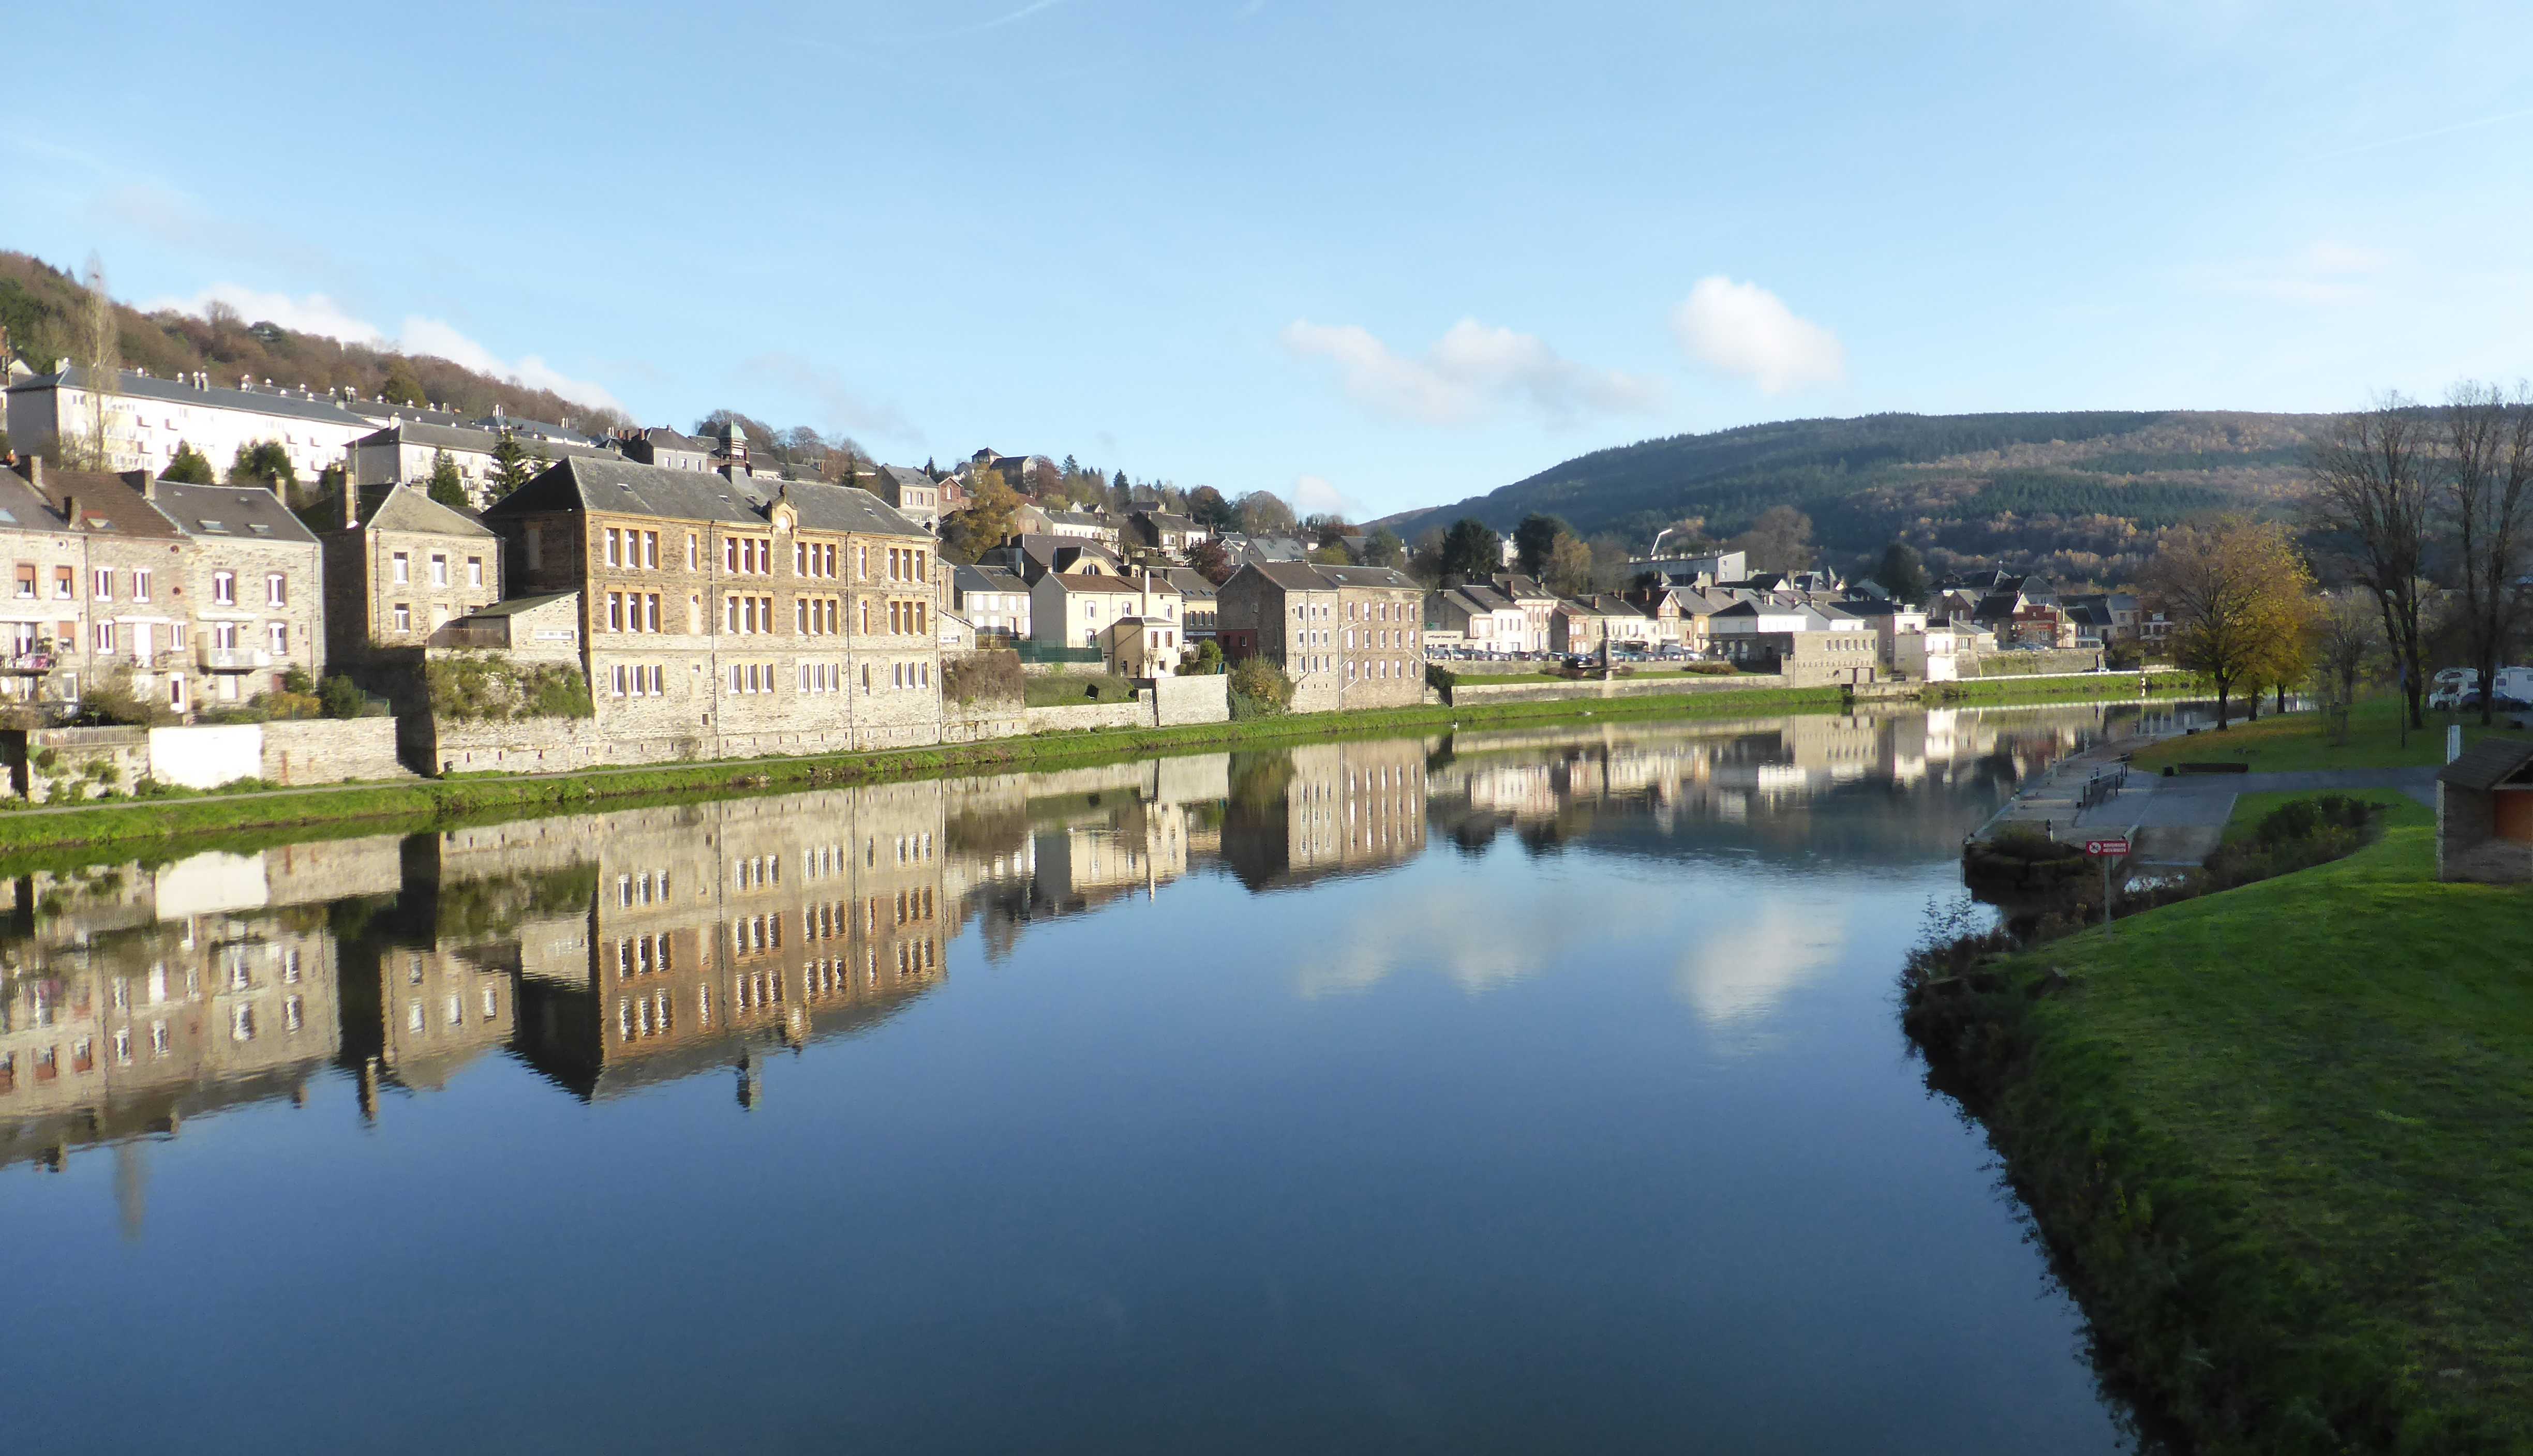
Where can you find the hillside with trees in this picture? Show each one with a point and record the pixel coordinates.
(2079, 495)
(42, 309)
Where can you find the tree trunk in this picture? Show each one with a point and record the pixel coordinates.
(2283, 697)
(2252, 705)
(2223, 707)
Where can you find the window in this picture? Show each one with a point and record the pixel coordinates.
(401, 571)
(224, 636)
(614, 557)
(439, 571)
(691, 547)
(403, 617)
(729, 554)
(474, 571)
(276, 588)
(141, 586)
(64, 583)
(25, 581)
(106, 637)
(279, 633)
(651, 550)
(104, 585)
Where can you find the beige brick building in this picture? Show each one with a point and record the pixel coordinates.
(738, 616)
(399, 568)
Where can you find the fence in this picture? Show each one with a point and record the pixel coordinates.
(1031, 651)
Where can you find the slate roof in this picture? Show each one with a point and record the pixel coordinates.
(1292, 576)
(606, 482)
(110, 502)
(1190, 582)
(134, 386)
(1076, 582)
(904, 476)
(514, 606)
(469, 438)
(396, 508)
(22, 509)
(1387, 578)
(238, 512)
(966, 579)
(2487, 763)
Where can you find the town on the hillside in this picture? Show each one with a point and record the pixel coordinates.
(648, 595)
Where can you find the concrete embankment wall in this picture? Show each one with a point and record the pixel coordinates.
(60, 765)
(1159, 702)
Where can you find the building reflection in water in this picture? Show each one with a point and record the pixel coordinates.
(612, 952)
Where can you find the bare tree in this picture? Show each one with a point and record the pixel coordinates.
(100, 364)
(2347, 643)
(2371, 500)
(2488, 479)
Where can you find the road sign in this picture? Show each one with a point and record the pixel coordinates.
(2106, 848)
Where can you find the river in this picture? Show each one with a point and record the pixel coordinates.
(1522, 1091)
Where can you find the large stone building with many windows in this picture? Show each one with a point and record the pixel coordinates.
(730, 614)
(1348, 636)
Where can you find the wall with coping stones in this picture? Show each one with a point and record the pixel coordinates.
(1617, 687)
(320, 750)
(1134, 713)
(1184, 700)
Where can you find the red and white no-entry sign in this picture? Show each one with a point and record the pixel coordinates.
(2106, 848)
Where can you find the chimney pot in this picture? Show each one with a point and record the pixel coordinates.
(70, 511)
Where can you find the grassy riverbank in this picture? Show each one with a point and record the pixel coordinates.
(2280, 1138)
(2295, 741)
(420, 802)
(1973, 692)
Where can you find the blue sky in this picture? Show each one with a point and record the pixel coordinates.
(1370, 254)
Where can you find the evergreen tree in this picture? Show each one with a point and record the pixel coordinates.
(265, 463)
(1120, 482)
(1384, 549)
(1535, 539)
(189, 468)
(512, 467)
(1471, 550)
(1902, 573)
(446, 487)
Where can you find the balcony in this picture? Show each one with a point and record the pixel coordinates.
(235, 659)
(32, 664)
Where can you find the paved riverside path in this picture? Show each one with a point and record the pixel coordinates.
(2181, 820)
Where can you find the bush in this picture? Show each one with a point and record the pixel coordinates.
(341, 697)
(475, 687)
(984, 676)
(111, 703)
(1259, 689)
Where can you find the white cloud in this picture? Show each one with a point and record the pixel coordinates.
(1312, 494)
(1743, 330)
(1473, 373)
(2325, 274)
(317, 313)
(1738, 971)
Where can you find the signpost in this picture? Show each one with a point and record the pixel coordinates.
(2107, 850)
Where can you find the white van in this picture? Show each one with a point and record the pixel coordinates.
(2450, 688)
(2514, 687)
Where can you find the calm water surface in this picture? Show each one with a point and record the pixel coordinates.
(1527, 1092)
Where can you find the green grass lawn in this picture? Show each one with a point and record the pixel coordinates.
(2296, 741)
(1069, 691)
(2250, 808)
(2287, 1131)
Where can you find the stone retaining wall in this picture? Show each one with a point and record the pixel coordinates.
(65, 765)
(1187, 700)
(976, 723)
(1615, 687)
(1134, 713)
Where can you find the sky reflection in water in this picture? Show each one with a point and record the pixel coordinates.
(1510, 1091)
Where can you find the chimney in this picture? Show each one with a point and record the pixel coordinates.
(70, 512)
(351, 503)
(35, 473)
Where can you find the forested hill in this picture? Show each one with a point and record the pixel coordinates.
(41, 306)
(2080, 494)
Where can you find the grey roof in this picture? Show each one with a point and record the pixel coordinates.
(134, 385)
(400, 508)
(536, 430)
(239, 512)
(22, 509)
(1190, 582)
(1385, 577)
(1078, 518)
(606, 482)
(1485, 597)
(904, 476)
(966, 579)
(2487, 763)
(1292, 576)
(468, 438)
(514, 606)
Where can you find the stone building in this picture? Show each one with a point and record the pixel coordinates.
(407, 451)
(544, 628)
(254, 585)
(1348, 636)
(2485, 813)
(399, 568)
(913, 494)
(995, 600)
(735, 615)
